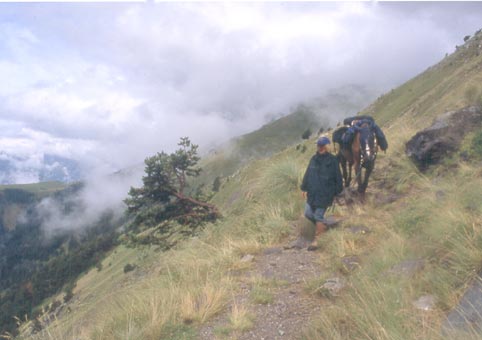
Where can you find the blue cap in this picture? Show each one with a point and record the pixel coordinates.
(322, 141)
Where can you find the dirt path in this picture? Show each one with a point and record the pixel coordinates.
(274, 295)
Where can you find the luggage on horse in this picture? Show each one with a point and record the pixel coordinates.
(344, 136)
(348, 136)
(349, 120)
(350, 133)
(338, 134)
(381, 139)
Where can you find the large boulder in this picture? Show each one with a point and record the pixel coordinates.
(431, 145)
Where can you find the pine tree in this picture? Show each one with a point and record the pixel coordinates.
(160, 206)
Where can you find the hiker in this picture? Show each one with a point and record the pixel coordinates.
(321, 183)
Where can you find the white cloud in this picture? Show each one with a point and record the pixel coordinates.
(109, 84)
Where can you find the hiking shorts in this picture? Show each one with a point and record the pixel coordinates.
(314, 216)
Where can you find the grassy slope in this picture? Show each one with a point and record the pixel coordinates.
(435, 219)
(40, 189)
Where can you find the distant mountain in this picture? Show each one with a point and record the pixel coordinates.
(33, 169)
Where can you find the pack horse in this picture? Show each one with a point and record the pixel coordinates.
(359, 141)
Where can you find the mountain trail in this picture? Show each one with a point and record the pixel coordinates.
(273, 299)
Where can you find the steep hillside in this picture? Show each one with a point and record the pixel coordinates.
(446, 86)
(401, 260)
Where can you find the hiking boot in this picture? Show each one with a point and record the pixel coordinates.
(313, 245)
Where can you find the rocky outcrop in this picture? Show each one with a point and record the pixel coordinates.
(407, 268)
(431, 145)
(467, 315)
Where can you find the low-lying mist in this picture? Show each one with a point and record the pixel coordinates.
(88, 203)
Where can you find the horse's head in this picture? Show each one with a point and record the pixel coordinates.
(368, 143)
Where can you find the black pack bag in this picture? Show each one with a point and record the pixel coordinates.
(349, 120)
(381, 139)
(338, 134)
(348, 136)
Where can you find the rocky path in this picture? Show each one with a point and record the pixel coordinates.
(275, 296)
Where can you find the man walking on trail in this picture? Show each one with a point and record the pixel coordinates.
(321, 183)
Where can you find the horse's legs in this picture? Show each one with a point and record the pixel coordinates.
(358, 174)
(343, 171)
(350, 166)
(368, 171)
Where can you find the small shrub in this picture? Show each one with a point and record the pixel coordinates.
(129, 267)
(217, 184)
(69, 292)
(240, 319)
(306, 134)
(261, 295)
(477, 144)
(467, 37)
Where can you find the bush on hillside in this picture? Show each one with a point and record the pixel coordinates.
(477, 144)
(217, 184)
(129, 267)
(69, 292)
(306, 134)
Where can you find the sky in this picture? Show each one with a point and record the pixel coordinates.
(110, 84)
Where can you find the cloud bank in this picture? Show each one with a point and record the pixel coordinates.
(109, 84)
